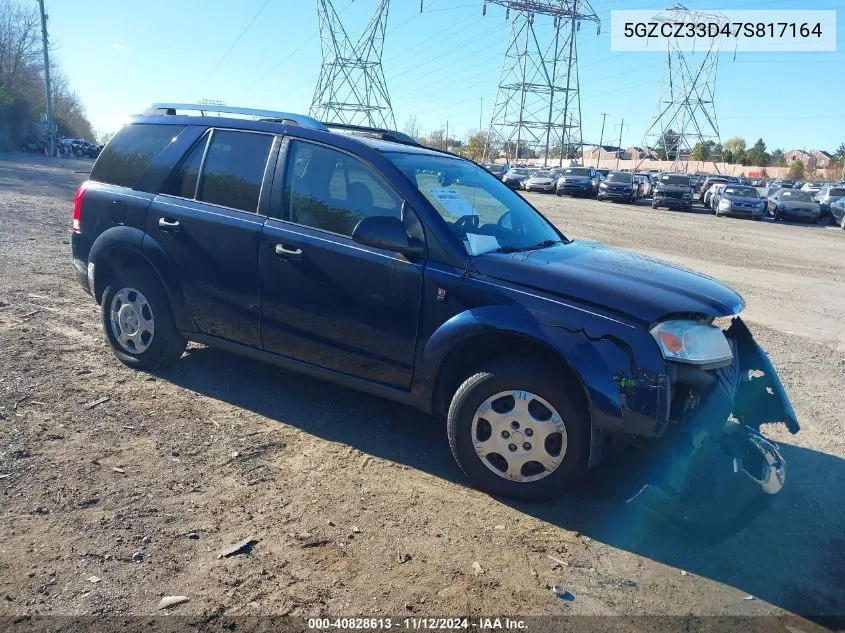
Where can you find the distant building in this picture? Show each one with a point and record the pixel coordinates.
(604, 152)
(807, 158)
(822, 159)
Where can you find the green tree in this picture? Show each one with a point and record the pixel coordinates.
(703, 150)
(667, 145)
(734, 150)
(777, 159)
(757, 155)
(796, 170)
(474, 148)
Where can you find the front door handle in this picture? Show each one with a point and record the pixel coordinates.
(294, 254)
(167, 224)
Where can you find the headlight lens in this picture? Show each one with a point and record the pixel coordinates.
(724, 202)
(603, 186)
(692, 342)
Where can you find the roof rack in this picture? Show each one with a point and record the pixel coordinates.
(373, 132)
(221, 110)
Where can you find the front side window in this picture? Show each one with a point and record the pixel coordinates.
(234, 169)
(332, 191)
(484, 214)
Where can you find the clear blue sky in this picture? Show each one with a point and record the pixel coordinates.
(121, 55)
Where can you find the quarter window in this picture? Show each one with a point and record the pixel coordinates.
(130, 152)
(331, 191)
(234, 169)
(184, 182)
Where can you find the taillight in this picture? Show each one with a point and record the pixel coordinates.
(77, 207)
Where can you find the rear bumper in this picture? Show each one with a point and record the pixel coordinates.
(80, 269)
(716, 472)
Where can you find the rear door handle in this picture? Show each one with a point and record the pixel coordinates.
(167, 224)
(294, 254)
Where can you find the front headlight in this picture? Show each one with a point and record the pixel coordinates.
(602, 186)
(725, 203)
(692, 342)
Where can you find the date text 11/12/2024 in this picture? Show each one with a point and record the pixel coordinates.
(417, 624)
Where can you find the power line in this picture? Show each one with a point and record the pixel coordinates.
(234, 44)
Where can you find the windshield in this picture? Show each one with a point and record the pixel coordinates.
(681, 181)
(836, 192)
(481, 211)
(741, 192)
(520, 172)
(543, 174)
(618, 176)
(797, 196)
(577, 171)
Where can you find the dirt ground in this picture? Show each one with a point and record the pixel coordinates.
(356, 504)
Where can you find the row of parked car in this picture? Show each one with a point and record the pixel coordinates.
(575, 181)
(781, 201)
(723, 195)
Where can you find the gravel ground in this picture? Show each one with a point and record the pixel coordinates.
(355, 504)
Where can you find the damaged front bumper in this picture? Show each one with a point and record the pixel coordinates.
(715, 472)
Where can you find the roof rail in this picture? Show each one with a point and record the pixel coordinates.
(374, 132)
(221, 110)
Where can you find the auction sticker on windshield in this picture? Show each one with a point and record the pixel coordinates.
(453, 202)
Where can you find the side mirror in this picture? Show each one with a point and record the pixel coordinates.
(388, 233)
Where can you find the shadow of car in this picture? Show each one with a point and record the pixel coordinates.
(794, 558)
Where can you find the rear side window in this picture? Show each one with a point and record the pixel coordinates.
(131, 151)
(234, 169)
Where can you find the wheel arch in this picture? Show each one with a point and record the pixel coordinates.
(122, 248)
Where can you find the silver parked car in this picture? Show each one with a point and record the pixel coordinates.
(543, 180)
(740, 200)
(829, 194)
(794, 203)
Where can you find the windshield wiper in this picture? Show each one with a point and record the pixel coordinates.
(522, 249)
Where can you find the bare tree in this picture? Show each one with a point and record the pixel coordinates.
(412, 126)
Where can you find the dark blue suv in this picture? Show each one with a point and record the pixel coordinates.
(355, 255)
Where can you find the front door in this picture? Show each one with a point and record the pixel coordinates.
(327, 300)
(207, 222)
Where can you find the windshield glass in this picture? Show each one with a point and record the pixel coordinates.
(543, 174)
(481, 211)
(742, 192)
(577, 171)
(519, 172)
(682, 181)
(836, 192)
(797, 196)
(619, 176)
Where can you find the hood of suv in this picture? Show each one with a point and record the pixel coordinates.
(625, 282)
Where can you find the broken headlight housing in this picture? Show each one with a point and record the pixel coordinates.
(692, 342)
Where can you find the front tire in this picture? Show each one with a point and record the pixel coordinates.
(497, 421)
(138, 321)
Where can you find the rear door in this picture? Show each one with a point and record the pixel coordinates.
(327, 300)
(207, 220)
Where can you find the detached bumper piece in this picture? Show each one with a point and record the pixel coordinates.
(718, 473)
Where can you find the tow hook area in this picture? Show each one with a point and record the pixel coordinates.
(718, 472)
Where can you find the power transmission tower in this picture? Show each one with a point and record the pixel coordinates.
(538, 107)
(352, 88)
(686, 113)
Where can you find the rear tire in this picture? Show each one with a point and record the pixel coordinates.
(138, 321)
(466, 431)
